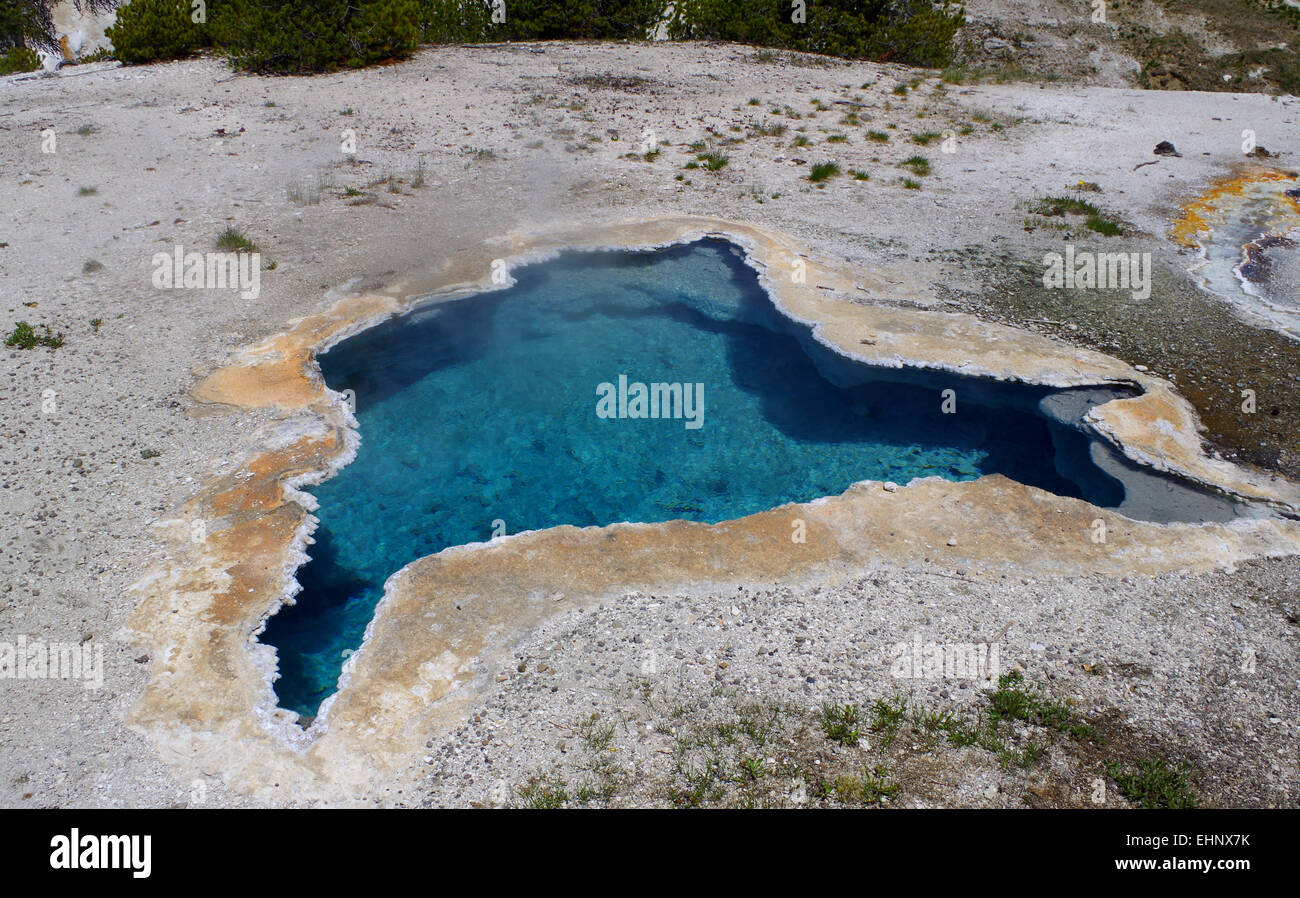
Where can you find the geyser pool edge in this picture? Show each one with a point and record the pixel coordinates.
(478, 416)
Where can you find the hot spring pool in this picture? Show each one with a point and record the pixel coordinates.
(479, 416)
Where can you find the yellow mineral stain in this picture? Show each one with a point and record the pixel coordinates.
(1199, 215)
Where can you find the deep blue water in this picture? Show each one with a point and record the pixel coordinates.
(484, 409)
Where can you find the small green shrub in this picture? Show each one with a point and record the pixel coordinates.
(454, 21)
(19, 59)
(915, 32)
(148, 30)
(288, 37)
(531, 20)
(24, 336)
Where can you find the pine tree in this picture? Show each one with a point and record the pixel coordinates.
(30, 23)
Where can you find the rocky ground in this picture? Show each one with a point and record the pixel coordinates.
(1235, 45)
(719, 700)
(459, 146)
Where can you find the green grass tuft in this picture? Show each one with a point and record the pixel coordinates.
(840, 723)
(1154, 784)
(232, 240)
(712, 161)
(823, 171)
(919, 165)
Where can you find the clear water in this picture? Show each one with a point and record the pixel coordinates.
(484, 409)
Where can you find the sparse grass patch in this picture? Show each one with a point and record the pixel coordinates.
(911, 184)
(925, 138)
(24, 336)
(714, 746)
(873, 787)
(1154, 783)
(1061, 206)
(1013, 701)
(887, 716)
(598, 735)
(1104, 226)
(840, 723)
(859, 175)
(304, 191)
(878, 136)
(87, 191)
(598, 777)
(541, 793)
(86, 130)
(712, 161)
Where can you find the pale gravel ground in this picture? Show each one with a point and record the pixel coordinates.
(1165, 651)
(76, 535)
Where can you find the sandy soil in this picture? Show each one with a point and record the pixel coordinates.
(523, 137)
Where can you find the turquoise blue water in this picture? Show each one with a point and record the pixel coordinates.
(484, 409)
